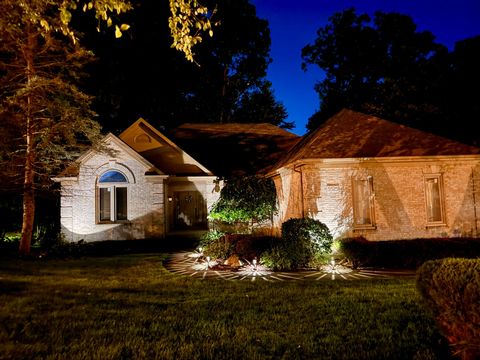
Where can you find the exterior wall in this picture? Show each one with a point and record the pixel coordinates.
(399, 202)
(205, 185)
(145, 201)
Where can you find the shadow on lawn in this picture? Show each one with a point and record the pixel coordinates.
(118, 247)
(106, 248)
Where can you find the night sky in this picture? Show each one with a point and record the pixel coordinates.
(293, 24)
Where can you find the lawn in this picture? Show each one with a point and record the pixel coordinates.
(129, 306)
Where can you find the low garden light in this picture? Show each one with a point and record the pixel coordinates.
(208, 262)
(254, 262)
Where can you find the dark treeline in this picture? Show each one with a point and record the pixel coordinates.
(140, 75)
(384, 66)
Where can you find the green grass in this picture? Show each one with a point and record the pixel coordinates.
(129, 306)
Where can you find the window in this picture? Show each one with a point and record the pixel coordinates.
(112, 196)
(434, 199)
(363, 207)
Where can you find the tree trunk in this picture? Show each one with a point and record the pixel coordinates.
(28, 183)
(28, 211)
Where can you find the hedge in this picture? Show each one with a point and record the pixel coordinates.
(406, 254)
(451, 289)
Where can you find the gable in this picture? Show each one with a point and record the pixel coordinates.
(161, 151)
(115, 149)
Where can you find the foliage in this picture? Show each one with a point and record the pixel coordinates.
(230, 84)
(246, 246)
(451, 289)
(10, 213)
(304, 242)
(210, 236)
(382, 66)
(406, 254)
(245, 199)
(146, 312)
(187, 20)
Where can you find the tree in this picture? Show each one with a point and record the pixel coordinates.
(46, 116)
(385, 68)
(140, 76)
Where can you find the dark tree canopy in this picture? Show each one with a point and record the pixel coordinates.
(140, 75)
(384, 66)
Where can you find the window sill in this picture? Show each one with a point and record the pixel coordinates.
(113, 222)
(364, 227)
(439, 224)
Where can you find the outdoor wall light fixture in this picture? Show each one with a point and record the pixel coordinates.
(170, 199)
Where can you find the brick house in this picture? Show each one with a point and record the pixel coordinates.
(147, 186)
(365, 176)
(358, 174)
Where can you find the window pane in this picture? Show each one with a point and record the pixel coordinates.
(112, 176)
(121, 199)
(105, 204)
(362, 202)
(434, 212)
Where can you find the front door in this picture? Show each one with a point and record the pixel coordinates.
(190, 211)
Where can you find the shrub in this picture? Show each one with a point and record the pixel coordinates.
(244, 245)
(210, 236)
(406, 254)
(303, 242)
(245, 199)
(451, 289)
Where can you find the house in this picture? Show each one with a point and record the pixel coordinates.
(358, 174)
(365, 176)
(147, 186)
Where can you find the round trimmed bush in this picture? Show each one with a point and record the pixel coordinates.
(303, 242)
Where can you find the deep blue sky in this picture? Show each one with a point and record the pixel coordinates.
(293, 24)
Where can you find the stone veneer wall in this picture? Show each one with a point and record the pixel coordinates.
(399, 196)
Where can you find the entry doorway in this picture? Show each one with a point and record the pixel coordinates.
(190, 211)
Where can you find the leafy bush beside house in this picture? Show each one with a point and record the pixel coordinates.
(406, 254)
(250, 199)
(303, 243)
(451, 289)
(245, 246)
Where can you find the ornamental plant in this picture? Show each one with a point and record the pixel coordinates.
(451, 289)
(303, 243)
(247, 199)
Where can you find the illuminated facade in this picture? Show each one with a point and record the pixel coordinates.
(365, 176)
(141, 186)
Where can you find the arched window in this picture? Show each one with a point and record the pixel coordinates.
(112, 196)
(112, 176)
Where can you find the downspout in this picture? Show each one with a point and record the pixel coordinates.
(474, 204)
(301, 187)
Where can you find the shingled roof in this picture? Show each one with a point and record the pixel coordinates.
(234, 149)
(350, 134)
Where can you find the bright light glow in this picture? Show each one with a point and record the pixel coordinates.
(335, 268)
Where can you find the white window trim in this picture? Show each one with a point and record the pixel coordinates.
(439, 178)
(113, 202)
(371, 205)
(113, 197)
